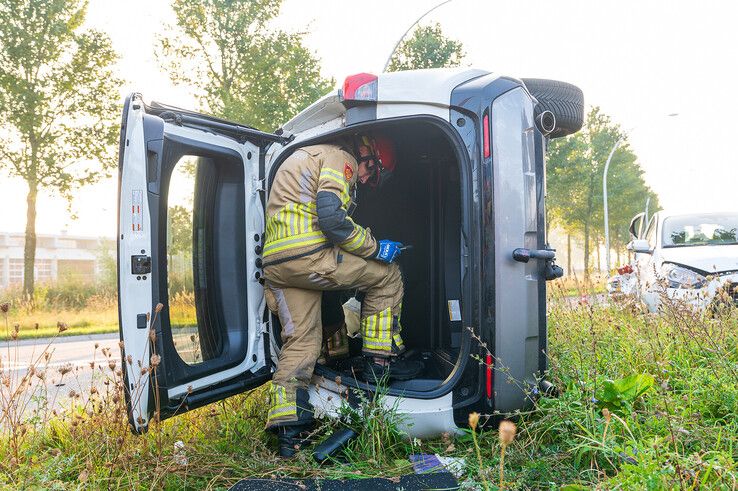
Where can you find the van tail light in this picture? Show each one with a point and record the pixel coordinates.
(485, 133)
(488, 378)
(359, 87)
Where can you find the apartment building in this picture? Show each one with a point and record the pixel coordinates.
(57, 256)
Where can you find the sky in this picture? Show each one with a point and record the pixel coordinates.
(639, 61)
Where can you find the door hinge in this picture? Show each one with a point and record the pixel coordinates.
(257, 185)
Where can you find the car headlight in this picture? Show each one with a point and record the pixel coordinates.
(679, 277)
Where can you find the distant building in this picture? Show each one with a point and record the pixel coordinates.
(57, 257)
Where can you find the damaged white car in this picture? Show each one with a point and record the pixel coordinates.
(690, 257)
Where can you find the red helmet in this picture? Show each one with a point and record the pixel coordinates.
(382, 157)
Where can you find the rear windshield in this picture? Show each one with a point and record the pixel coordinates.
(704, 229)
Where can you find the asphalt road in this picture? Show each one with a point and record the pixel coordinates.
(73, 355)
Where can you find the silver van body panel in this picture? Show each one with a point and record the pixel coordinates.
(516, 316)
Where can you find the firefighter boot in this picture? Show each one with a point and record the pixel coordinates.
(293, 435)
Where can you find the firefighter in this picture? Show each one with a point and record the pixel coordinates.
(313, 245)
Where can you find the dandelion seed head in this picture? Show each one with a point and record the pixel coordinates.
(507, 432)
(473, 420)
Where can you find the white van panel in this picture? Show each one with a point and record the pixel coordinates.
(419, 418)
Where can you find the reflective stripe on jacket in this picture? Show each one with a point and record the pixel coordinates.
(308, 206)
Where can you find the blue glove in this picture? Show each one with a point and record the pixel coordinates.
(388, 250)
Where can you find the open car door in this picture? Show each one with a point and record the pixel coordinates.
(190, 230)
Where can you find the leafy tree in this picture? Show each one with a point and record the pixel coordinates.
(574, 172)
(243, 70)
(179, 248)
(58, 103)
(180, 235)
(427, 48)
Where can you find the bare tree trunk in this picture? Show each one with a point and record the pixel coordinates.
(587, 219)
(599, 259)
(586, 250)
(29, 250)
(568, 254)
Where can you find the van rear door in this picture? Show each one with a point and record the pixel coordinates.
(190, 230)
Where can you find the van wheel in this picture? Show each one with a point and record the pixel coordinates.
(564, 100)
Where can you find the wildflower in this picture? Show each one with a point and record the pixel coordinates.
(72, 394)
(5, 307)
(155, 360)
(65, 369)
(111, 364)
(61, 326)
(35, 325)
(129, 359)
(606, 414)
(152, 335)
(594, 400)
(158, 307)
(97, 345)
(507, 432)
(121, 344)
(473, 420)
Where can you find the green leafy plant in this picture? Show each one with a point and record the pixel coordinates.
(620, 394)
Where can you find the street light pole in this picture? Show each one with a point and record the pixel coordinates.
(604, 196)
(397, 44)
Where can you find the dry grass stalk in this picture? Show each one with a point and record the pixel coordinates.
(506, 434)
(473, 423)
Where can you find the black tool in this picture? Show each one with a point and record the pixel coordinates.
(333, 443)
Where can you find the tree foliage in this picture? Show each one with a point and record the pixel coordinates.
(427, 48)
(243, 70)
(574, 178)
(58, 102)
(180, 231)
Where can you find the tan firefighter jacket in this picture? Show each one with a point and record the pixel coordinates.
(308, 206)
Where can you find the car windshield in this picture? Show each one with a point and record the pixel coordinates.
(704, 229)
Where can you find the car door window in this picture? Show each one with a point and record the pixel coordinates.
(194, 341)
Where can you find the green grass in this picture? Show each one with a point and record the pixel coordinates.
(41, 323)
(679, 431)
(97, 318)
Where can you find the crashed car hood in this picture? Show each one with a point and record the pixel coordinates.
(709, 258)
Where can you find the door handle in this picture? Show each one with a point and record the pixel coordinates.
(523, 255)
(551, 270)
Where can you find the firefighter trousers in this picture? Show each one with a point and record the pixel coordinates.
(293, 291)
